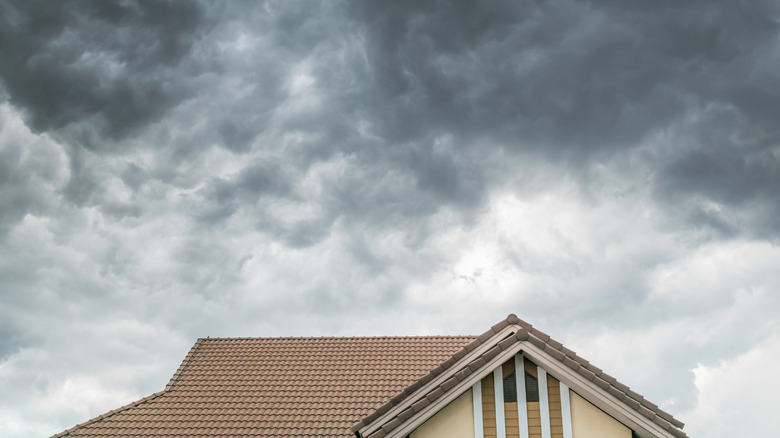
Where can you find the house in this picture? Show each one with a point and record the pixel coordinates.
(511, 381)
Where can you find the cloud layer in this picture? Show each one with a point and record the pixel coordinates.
(169, 170)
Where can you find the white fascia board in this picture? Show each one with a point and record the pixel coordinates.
(436, 381)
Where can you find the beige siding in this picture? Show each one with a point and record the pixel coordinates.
(554, 398)
(588, 421)
(534, 420)
(508, 367)
(456, 420)
(534, 414)
(530, 367)
(512, 427)
(488, 407)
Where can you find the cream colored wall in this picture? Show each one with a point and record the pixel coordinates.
(456, 420)
(588, 421)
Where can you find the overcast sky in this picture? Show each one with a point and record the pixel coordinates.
(607, 170)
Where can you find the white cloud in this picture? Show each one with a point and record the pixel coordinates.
(738, 396)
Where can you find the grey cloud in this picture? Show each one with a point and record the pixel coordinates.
(732, 164)
(108, 63)
(558, 75)
(245, 188)
(345, 155)
(580, 82)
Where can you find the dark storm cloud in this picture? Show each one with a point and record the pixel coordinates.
(579, 76)
(579, 82)
(572, 82)
(111, 63)
(174, 169)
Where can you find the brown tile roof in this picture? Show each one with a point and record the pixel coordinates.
(318, 387)
(528, 333)
(276, 387)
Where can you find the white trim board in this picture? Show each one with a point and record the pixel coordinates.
(476, 394)
(498, 390)
(566, 410)
(544, 401)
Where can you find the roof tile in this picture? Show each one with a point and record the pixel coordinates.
(277, 387)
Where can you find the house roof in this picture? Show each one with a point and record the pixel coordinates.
(425, 391)
(276, 387)
(319, 387)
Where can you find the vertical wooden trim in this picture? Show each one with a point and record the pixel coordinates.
(476, 395)
(498, 385)
(522, 408)
(544, 402)
(566, 411)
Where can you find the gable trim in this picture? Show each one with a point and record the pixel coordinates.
(421, 415)
(413, 395)
(644, 427)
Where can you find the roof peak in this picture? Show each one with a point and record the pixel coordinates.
(498, 341)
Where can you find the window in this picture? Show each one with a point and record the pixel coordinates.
(510, 389)
(531, 388)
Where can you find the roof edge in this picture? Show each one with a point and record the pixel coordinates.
(168, 388)
(110, 413)
(183, 365)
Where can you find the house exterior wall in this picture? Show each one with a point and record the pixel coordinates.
(556, 413)
(588, 421)
(456, 420)
(534, 411)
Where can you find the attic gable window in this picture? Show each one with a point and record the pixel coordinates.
(510, 389)
(531, 388)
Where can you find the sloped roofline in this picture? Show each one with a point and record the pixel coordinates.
(510, 336)
(147, 399)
